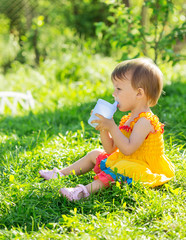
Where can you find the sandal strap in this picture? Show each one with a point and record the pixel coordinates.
(84, 189)
(56, 170)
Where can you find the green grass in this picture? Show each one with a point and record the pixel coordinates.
(56, 133)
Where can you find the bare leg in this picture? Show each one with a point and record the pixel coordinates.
(92, 187)
(95, 186)
(84, 164)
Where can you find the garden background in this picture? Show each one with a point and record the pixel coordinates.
(64, 52)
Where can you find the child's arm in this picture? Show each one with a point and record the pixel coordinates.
(107, 141)
(126, 145)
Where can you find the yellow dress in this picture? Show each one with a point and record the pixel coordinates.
(148, 164)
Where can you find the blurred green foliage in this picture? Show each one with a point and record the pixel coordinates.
(34, 31)
(9, 46)
(150, 31)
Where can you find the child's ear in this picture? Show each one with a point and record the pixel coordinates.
(140, 92)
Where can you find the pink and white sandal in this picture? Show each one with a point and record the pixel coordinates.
(73, 194)
(50, 174)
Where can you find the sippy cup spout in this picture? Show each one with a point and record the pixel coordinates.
(115, 104)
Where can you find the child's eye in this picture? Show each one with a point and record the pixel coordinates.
(118, 88)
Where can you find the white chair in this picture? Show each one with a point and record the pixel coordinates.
(12, 99)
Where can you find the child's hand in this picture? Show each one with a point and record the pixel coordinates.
(104, 124)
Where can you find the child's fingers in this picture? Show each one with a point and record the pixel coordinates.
(97, 128)
(95, 121)
(99, 115)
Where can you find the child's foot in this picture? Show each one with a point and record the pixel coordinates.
(75, 193)
(50, 174)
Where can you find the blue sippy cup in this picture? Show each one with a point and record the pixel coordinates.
(103, 108)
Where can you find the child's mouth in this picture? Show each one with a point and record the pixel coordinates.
(117, 101)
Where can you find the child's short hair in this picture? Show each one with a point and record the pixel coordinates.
(145, 74)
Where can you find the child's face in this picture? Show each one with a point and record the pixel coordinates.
(124, 93)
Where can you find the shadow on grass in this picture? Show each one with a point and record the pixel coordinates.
(26, 132)
(33, 129)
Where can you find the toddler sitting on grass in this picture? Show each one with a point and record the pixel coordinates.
(134, 151)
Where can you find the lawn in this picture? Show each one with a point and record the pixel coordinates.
(55, 134)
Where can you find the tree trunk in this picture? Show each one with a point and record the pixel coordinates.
(28, 12)
(127, 3)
